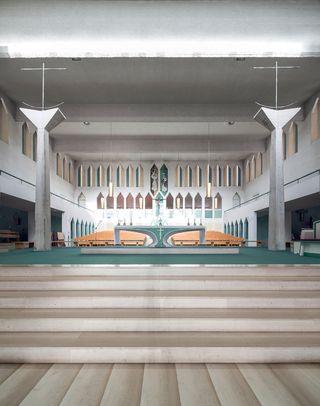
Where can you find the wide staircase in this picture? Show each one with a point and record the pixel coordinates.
(159, 314)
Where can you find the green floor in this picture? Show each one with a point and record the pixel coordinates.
(73, 256)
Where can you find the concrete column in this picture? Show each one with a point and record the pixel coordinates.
(44, 121)
(276, 235)
(42, 241)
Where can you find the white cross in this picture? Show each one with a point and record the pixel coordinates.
(43, 69)
(276, 67)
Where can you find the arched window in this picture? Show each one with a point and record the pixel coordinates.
(227, 176)
(253, 168)
(129, 176)
(218, 201)
(26, 141)
(315, 121)
(34, 145)
(236, 229)
(237, 176)
(232, 229)
(58, 165)
(179, 176)
(148, 202)
(169, 202)
(4, 122)
(65, 169)
(188, 201)
(179, 201)
(228, 229)
(139, 176)
(246, 229)
(72, 229)
(110, 202)
(109, 175)
(120, 201)
(218, 176)
(86, 229)
(225, 229)
(198, 201)
(188, 176)
(247, 171)
(292, 139)
(259, 164)
(120, 176)
(80, 176)
(198, 176)
(208, 203)
(100, 201)
(139, 201)
(209, 174)
(78, 233)
(129, 201)
(89, 176)
(100, 176)
(70, 173)
(236, 200)
(82, 200)
(241, 228)
(82, 229)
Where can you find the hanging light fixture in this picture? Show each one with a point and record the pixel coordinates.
(110, 186)
(209, 181)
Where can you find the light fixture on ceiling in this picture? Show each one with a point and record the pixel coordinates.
(209, 179)
(110, 186)
(86, 122)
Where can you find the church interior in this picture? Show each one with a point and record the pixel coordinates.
(159, 202)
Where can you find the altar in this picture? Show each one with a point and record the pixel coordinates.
(159, 234)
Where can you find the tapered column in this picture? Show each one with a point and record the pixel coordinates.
(276, 235)
(275, 120)
(44, 121)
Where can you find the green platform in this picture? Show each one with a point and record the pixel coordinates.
(73, 256)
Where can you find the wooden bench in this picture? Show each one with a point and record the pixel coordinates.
(9, 235)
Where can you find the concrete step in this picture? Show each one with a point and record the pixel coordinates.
(160, 270)
(277, 283)
(159, 299)
(159, 347)
(153, 320)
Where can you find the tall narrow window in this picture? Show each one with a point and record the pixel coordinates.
(292, 139)
(188, 201)
(58, 165)
(218, 201)
(227, 176)
(253, 168)
(237, 176)
(129, 176)
(82, 200)
(188, 176)
(26, 141)
(259, 164)
(209, 174)
(80, 176)
(218, 176)
(100, 176)
(139, 176)
(247, 171)
(284, 145)
(89, 176)
(100, 201)
(120, 176)
(236, 200)
(65, 169)
(34, 145)
(179, 176)
(4, 122)
(315, 121)
(198, 175)
(70, 174)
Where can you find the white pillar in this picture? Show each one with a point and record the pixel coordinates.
(276, 235)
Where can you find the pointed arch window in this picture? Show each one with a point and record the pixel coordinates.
(253, 168)
(139, 201)
(72, 229)
(209, 174)
(120, 201)
(78, 233)
(259, 164)
(198, 201)
(179, 201)
(236, 229)
(246, 229)
(315, 121)
(129, 176)
(65, 169)
(129, 201)
(59, 165)
(34, 146)
(109, 177)
(227, 176)
(198, 176)
(120, 176)
(110, 202)
(80, 176)
(82, 200)
(232, 229)
(188, 201)
(26, 140)
(139, 176)
(179, 176)
(100, 201)
(148, 202)
(4, 122)
(86, 228)
(218, 176)
(100, 176)
(82, 229)
(169, 202)
(241, 228)
(237, 176)
(236, 200)
(218, 201)
(188, 176)
(208, 203)
(292, 139)
(89, 176)
(247, 171)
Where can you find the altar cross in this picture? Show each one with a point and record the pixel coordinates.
(42, 69)
(276, 67)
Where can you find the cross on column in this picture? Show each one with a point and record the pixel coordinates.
(276, 67)
(42, 69)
